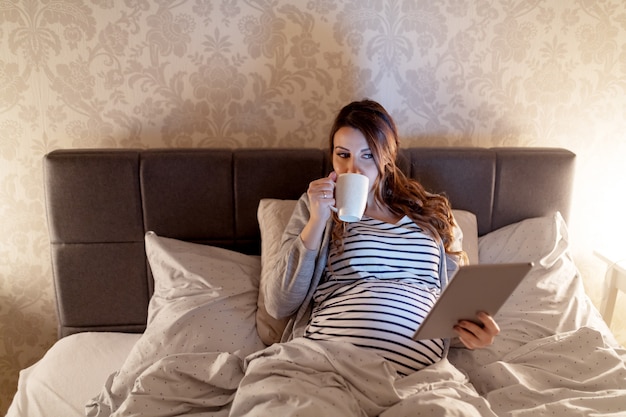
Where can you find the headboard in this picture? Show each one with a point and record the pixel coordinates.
(101, 202)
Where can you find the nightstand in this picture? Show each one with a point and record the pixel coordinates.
(615, 280)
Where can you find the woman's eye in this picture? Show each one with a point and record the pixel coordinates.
(368, 156)
(343, 154)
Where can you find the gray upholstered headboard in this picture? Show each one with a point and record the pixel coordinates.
(100, 203)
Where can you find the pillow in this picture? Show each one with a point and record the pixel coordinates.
(273, 216)
(468, 236)
(550, 300)
(204, 300)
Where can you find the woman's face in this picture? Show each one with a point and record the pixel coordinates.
(351, 153)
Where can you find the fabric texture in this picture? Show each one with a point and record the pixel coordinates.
(467, 233)
(348, 381)
(533, 368)
(204, 301)
(290, 295)
(379, 305)
(551, 299)
(70, 374)
(274, 215)
(300, 378)
(547, 325)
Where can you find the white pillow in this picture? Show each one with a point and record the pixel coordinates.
(204, 300)
(550, 300)
(69, 374)
(273, 216)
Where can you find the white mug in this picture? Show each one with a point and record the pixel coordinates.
(351, 192)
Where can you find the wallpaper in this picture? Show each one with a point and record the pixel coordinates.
(272, 73)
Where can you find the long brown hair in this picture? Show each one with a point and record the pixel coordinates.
(403, 195)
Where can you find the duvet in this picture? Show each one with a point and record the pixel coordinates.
(301, 377)
(554, 356)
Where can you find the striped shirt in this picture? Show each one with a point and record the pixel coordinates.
(377, 290)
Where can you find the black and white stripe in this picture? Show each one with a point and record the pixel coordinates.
(378, 290)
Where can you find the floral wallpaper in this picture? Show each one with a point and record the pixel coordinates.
(272, 73)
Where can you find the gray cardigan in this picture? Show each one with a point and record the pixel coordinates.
(289, 292)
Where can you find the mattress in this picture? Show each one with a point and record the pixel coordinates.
(71, 372)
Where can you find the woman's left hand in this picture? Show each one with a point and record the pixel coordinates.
(474, 335)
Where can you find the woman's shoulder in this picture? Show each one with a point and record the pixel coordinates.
(301, 211)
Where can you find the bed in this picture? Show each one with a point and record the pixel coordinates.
(158, 259)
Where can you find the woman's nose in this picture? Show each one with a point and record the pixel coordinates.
(353, 168)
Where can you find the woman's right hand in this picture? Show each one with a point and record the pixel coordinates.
(321, 195)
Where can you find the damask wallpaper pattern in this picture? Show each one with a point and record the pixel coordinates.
(272, 73)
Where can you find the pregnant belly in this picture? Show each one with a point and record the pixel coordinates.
(379, 315)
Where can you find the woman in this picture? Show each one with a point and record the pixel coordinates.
(368, 283)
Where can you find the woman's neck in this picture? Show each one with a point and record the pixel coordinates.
(382, 213)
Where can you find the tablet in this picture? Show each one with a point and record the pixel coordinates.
(474, 288)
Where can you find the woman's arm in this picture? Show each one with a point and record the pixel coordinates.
(287, 286)
(288, 282)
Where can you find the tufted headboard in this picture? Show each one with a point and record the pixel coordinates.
(100, 203)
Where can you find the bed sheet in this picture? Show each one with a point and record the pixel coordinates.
(70, 373)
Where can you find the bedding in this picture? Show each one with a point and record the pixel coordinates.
(70, 374)
(191, 289)
(554, 355)
(204, 301)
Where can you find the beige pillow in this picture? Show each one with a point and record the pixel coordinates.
(273, 216)
(468, 238)
(204, 301)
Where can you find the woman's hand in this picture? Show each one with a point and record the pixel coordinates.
(321, 195)
(473, 335)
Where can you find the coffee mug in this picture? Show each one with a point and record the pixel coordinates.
(351, 192)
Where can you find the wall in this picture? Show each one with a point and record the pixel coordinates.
(272, 73)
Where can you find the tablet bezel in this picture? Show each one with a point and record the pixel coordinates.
(489, 285)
